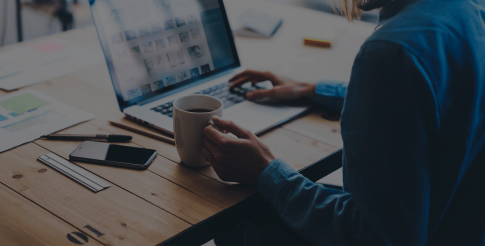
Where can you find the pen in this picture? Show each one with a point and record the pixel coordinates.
(75, 137)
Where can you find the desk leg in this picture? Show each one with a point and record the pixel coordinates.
(65, 17)
(18, 8)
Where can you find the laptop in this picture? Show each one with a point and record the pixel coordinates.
(160, 50)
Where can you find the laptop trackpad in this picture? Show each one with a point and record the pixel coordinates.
(256, 117)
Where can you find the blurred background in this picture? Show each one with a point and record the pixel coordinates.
(28, 19)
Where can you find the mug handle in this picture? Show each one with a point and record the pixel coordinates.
(211, 122)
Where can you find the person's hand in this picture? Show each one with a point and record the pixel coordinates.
(282, 88)
(240, 159)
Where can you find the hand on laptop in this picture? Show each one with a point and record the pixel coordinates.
(239, 159)
(282, 89)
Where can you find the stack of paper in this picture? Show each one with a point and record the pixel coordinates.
(28, 115)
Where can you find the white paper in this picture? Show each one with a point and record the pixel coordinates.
(27, 115)
(336, 178)
(245, 32)
(253, 23)
(43, 61)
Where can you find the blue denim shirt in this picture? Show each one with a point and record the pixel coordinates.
(413, 131)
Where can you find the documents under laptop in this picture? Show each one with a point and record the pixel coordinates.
(74, 172)
(27, 115)
(160, 50)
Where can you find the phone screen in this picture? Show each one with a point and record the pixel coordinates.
(113, 153)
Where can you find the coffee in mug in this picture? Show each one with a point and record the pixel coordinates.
(199, 110)
(191, 115)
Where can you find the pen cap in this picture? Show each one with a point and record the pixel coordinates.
(119, 138)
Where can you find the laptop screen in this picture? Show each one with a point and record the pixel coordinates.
(153, 46)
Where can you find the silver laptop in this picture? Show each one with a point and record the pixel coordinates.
(160, 50)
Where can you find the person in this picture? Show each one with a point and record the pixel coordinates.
(413, 131)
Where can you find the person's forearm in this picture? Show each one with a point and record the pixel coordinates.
(320, 215)
(330, 95)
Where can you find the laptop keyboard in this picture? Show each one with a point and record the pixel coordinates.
(228, 97)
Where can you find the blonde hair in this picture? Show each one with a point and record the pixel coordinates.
(353, 9)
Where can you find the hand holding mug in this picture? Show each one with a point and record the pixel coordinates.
(235, 159)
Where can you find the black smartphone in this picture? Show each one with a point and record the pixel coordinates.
(113, 155)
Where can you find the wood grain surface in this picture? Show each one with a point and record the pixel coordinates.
(23, 222)
(122, 218)
(166, 193)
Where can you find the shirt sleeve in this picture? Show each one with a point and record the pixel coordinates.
(320, 215)
(330, 95)
(386, 124)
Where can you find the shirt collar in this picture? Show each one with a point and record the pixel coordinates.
(391, 9)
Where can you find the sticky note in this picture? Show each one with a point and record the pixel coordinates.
(2, 118)
(23, 103)
(49, 46)
(317, 42)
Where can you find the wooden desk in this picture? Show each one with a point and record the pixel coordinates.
(40, 206)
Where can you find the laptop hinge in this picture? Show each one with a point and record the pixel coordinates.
(185, 87)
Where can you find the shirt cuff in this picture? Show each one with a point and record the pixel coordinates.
(331, 95)
(331, 89)
(272, 178)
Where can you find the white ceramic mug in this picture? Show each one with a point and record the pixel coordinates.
(189, 126)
